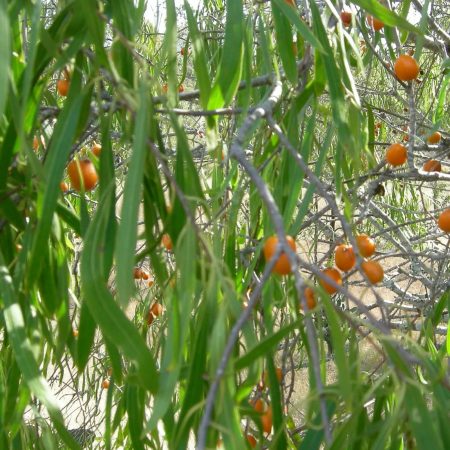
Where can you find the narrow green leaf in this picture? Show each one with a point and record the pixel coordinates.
(264, 345)
(5, 54)
(23, 353)
(229, 73)
(127, 233)
(105, 311)
(200, 64)
(423, 423)
(293, 17)
(387, 16)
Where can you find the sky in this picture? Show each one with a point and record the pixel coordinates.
(152, 7)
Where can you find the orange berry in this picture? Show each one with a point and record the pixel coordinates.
(180, 88)
(282, 266)
(376, 24)
(396, 155)
(251, 440)
(167, 242)
(278, 372)
(366, 245)
(435, 138)
(151, 283)
(137, 273)
(62, 87)
(75, 332)
(105, 384)
(258, 406)
(63, 186)
(432, 166)
(334, 275)
(406, 68)
(373, 271)
(156, 309)
(344, 257)
(82, 173)
(266, 420)
(145, 275)
(35, 143)
(310, 299)
(346, 18)
(165, 88)
(96, 149)
(444, 220)
(150, 317)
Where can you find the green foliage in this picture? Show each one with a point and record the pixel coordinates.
(284, 121)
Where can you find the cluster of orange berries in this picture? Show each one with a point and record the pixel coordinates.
(374, 23)
(345, 260)
(154, 311)
(140, 274)
(264, 409)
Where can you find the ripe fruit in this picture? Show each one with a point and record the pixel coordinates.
(334, 275)
(63, 186)
(82, 173)
(167, 242)
(145, 275)
(96, 149)
(435, 138)
(251, 440)
(156, 309)
(373, 271)
(165, 88)
(444, 220)
(75, 332)
(180, 88)
(310, 299)
(150, 317)
(396, 154)
(282, 266)
(258, 406)
(266, 420)
(265, 376)
(137, 273)
(150, 283)
(366, 245)
(376, 24)
(432, 166)
(182, 51)
(105, 384)
(62, 86)
(344, 257)
(406, 68)
(35, 143)
(346, 18)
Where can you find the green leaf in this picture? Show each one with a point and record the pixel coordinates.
(5, 54)
(59, 150)
(264, 346)
(105, 311)
(23, 353)
(127, 233)
(230, 69)
(200, 63)
(422, 421)
(292, 15)
(283, 35)
(387, 16)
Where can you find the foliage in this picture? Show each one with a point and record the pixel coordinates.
(229, 124)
